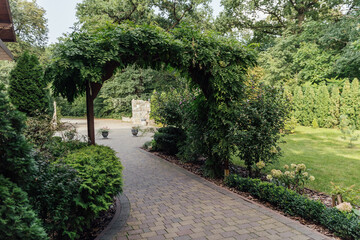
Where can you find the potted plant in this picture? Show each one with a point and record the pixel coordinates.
(135, 130)
(104, 131)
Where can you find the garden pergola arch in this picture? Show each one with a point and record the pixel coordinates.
(217, 65)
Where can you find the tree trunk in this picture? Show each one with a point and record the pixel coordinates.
(92, 90)
(90, 114)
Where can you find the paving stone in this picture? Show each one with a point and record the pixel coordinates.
(167, 202)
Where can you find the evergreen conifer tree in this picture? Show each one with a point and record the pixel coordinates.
(16, 162)
(309, 105)
(334, 108)
(27, 89)
(356, 101)
(346, 102)
(298, 104)
(322, 102)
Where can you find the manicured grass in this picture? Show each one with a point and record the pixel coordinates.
(325, 154)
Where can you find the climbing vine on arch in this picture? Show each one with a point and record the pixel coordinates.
(217, 65)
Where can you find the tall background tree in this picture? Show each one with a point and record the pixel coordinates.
(27, 89)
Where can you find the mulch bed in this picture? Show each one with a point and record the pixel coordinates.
(100, 223)
(196, 169)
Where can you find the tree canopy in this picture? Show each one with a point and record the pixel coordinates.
(210, 60)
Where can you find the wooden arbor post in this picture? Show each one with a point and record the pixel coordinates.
(92, 90)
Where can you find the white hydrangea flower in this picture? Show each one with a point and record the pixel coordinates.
(300, 167)
(260, 164)
(269, 177)
(312, 178)
(286, 166)
(293, 165)
(345, 206)
(276, 173)
(305, 174)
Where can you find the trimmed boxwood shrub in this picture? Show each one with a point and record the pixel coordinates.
(100, 173)
(346, 225)
(17, 220)
(167, 139)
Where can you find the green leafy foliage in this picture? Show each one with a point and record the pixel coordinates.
(18, 220)
(216, 65)
(101, 179)
(257, 130)
(27, 86)
(345, 225)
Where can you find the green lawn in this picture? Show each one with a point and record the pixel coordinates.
(325, 154)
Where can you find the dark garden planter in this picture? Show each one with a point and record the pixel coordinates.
(134, 132)
(105, 134)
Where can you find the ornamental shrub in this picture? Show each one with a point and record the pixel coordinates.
(100, 172)
(256, 130)
(167, 139)
(345, 225)
(53, 196)
(16, 162)
(27, 89)
(18, 221)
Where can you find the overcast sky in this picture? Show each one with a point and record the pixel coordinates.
(61, 15)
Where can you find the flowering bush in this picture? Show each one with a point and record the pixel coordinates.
(104, 129)
(293, 178)
(345, 206)
(342, 223)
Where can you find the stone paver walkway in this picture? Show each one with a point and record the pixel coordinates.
(167, 202)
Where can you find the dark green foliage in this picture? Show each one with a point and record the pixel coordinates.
(53, 196)
(101, 179)
(27, 86)
(75, 109)
(17, 219)
(257, 129)
(345, 225)
(167, 139)
(16, 162)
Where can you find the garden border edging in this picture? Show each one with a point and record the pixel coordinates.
(119, 220)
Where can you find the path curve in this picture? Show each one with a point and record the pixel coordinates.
(168, 202)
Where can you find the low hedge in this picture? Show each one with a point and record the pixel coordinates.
(345, 225)
(100, 174)
(17, 219)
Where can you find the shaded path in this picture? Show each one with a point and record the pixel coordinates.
(167, 202)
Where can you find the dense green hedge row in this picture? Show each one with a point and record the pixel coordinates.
(326, 104)
(346, 225)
